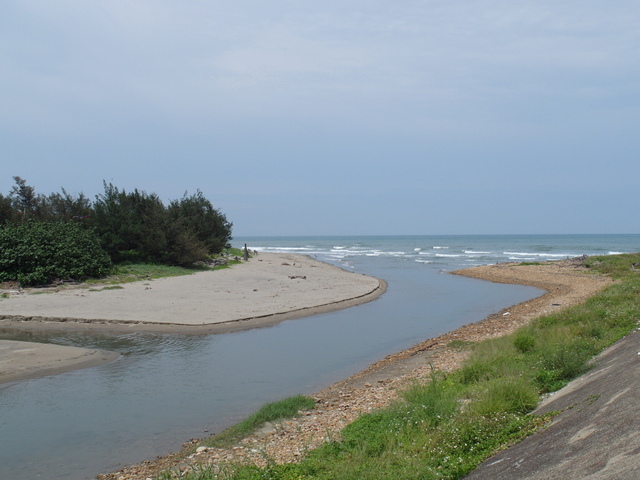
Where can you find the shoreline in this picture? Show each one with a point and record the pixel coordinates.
(565, 284)
(26, 360)
(267, 290)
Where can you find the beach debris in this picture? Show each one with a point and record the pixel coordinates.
(506, 313)
(293, 277)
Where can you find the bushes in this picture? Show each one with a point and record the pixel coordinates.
(196, 215)
(35, 253)
(137, 227)
(133, 227)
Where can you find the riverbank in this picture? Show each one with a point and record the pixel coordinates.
(566, 283)
(265, 290)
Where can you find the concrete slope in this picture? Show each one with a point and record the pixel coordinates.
(597, 435)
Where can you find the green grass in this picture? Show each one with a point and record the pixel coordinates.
(444, 428)
(127, 273)
(618, 266)
(271, 412)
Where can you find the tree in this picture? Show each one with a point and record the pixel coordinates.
(132, 226)
(65, 207)
(7, 213)
(23, 197)
(196, 214)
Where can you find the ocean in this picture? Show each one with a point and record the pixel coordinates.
(166, 389)
(445, 252)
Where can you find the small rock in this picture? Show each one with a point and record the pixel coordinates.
(201, 449)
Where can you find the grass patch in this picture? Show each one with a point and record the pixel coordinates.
(271, 412)
(443, 429)
(618, 266)
(134, 272)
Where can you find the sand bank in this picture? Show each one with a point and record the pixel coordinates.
(263, 291)
(267, 289)
(22, 360)
(566, 284)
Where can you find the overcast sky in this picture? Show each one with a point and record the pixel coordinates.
(334, 117)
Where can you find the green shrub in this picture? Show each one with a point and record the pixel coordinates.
(271, 412)
(506, 394)
(562, 362)
(133, 227)
(431, 403)
(36, 253)
(490, 359)
(524, 341)
(196, 215)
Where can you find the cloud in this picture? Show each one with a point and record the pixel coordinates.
(368, 96)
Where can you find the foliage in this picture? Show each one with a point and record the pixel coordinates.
(63, 206)
(271, 412)
(134, 272)
(7, 213)
(618, 266)
(195, 214)
(132, 226)
(23, 197)
(35, 253)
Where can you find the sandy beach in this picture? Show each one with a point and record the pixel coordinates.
(267, 289)
(566, 284)
(23, 360)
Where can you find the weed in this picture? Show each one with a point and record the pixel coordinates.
(524, 341)
(271, 412)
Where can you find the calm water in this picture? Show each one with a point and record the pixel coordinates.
(166, 389)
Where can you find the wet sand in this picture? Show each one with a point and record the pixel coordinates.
(23, 360)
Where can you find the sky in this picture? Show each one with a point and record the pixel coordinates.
(334, 118)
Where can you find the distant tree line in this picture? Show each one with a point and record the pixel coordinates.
(38, 232)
